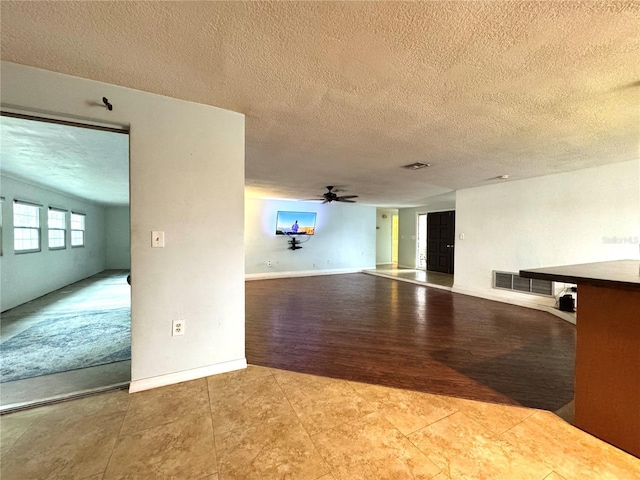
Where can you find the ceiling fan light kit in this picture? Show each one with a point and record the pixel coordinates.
(331, 196)
(328, 197)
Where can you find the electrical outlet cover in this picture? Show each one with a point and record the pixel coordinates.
(178, 328)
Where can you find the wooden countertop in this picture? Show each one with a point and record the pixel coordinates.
(615, 274)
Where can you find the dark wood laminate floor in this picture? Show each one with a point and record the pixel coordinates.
(376, 330)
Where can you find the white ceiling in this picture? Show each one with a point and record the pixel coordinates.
(86, 163)
(344, 93)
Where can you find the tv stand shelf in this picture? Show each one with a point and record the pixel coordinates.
(295, 244)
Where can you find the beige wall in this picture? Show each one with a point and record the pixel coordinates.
(344, 239)
(25, 276)
(117, 227)
(187, 179)
(583, 216)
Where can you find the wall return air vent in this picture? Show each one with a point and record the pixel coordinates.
(513, 281)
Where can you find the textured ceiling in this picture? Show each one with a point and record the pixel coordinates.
(85, 163)
(345, 93)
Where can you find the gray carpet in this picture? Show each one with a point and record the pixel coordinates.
(67, 343)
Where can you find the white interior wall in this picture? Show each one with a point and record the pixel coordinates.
(118, 241)
(25, 276)
(384, 227)
(344, 239)
(186, 160)
(576, 217)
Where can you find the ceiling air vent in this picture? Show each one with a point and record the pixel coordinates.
(513, 281)
(416, 166)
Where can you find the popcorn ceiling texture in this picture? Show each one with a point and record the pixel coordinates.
(81, 162)
(345, 93)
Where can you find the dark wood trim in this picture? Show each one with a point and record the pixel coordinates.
(616, 274)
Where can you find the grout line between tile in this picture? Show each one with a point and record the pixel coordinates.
(415, 446)
(124, 417)
(551, 472)
(293, 409)
(514, 426)
(305, 430)
(5, 452)
(432, 423)
(152, 426)
(375, 410)
(213, 431)
(556, 473)
(325, 474)
(493, 436)
(251, 422)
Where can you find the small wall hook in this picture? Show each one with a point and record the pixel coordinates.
(107, 104)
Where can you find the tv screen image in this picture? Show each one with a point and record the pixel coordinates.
(296, 223)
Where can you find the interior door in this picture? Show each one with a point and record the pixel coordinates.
(440, 241)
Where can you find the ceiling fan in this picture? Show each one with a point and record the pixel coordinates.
(331, 196)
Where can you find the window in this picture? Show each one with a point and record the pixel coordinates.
(77, 229)
(57, 228)
(26, 227)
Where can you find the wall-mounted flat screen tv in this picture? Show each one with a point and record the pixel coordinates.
(296, 223)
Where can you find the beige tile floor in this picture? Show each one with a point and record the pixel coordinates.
(419, 277)
(269, 424)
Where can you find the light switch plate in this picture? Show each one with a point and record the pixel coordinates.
(157, 239)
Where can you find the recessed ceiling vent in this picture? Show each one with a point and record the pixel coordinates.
(416, 166)
(513, 281)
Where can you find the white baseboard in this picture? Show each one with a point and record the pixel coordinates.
(515, 301)
(302, 273)
(567, 316)
(186, 375)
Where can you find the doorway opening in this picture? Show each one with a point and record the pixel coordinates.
(394, 239)
(66, 303)
(440, 241)
(421, 242)
(435, 243)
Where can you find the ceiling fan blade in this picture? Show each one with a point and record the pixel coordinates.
(348, 196)
(344, 201)
(311, 200)
(327, 201)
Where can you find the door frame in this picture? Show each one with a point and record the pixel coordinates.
(450, 243)
(395, 237)
(417, 238)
